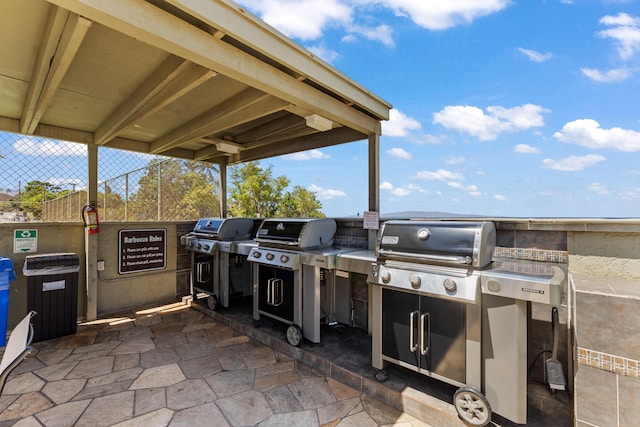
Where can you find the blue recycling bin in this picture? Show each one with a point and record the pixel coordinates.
(6, 275)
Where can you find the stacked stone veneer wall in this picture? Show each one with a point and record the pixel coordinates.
(605, 282)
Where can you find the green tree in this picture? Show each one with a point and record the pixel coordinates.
(35, 194)
(174, 190)
(301, 203)
(255, 192)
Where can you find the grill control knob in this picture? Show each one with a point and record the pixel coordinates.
(199, 246)
(284, 258)
(270, 256)
(424, 234)
(190, 244)
(257, 254)
(206, 247)
(414, 280)
(450, 285)
(385, 275)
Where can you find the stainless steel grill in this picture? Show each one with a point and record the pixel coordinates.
(443, 308)
(211, 244)
(292, 262)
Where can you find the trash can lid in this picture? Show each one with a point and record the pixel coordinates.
(7, 266)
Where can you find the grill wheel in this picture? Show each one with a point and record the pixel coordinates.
(472, 407)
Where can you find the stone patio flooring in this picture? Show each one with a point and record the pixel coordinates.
(175, 366)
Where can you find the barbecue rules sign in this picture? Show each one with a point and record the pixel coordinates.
(142, 250)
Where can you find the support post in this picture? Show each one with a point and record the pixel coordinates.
(91, 240)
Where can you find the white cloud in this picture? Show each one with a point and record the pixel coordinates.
(588, 133)
(471, 189)
(525, 149)
(303, 20)
(455, 160)
(324, 53)
(598, 188)
(439, 175)
(307, 155)
(497, 120)
(382, 33)
(399, 153)
(536, 56)
(572, 163)
(499, 197)
(440, 15)
(625, 32)
(630, 194)
(326, 193)
(386, 185)
(401, 192)
(46, 147)
(609, 76)
(399, 124)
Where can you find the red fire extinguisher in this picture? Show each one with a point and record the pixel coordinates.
(90, 218)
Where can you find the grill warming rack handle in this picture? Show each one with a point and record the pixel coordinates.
(452, 259)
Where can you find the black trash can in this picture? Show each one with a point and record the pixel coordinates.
(52, 291)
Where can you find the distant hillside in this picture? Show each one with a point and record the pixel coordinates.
(5, 197)
(420, 214)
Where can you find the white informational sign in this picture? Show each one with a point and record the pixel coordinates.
(371, 220)
(25, 241)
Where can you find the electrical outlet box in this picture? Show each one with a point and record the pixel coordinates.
(100, 265)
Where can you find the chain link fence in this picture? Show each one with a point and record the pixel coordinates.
(45, 180)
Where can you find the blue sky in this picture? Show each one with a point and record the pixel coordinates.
(505, 108)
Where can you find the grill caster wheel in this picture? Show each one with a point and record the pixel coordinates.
(212, 303)
(381, 375)
(472, 407)
(294, 335)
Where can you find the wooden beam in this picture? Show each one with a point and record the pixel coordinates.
(172, 79)
(49, 72)
(232, 19)
(246, 106)
(317, 140)
(271, 128)
(141, 20)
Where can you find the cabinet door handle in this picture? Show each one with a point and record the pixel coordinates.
(278, 292)
(425, 349)
(412, 346)
(270, 292)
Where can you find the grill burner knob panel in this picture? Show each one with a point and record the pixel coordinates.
(450, 285)
(414, 280)
(270, 256)
(385, 275)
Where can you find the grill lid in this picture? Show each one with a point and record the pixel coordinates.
(224, 229)
(449, 242)
(300, 233)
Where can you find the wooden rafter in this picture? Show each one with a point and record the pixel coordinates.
(62, 37)
(172, 79)
(242, 108)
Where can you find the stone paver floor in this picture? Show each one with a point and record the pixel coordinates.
(175, 366)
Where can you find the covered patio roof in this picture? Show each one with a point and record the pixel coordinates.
(193, 79)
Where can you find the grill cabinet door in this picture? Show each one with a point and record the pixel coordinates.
(396, 331)
(444, 333)
(413, 324)
(276, 292)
